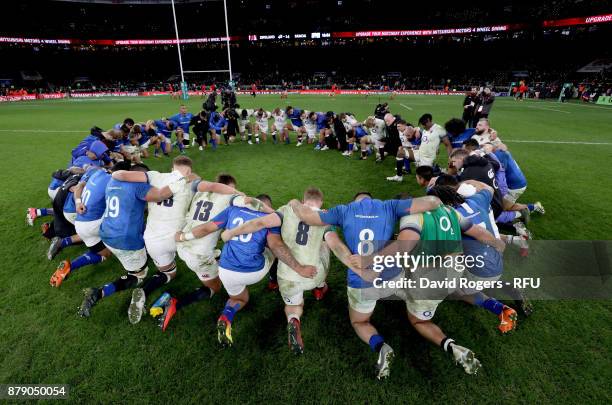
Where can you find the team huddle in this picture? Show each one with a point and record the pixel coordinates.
(109, 201)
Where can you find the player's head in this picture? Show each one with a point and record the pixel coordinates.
(369, 122)
(134, 137)
(487, 91)
(447, 180)
(426, 121)
(448, 195)
(123, 165)
(473, 91)
(266, 199)
(471, 145)
(457, 157)
(276, 111)
(227, 179)
(488, 147)
(313, 197)
(361, 195)
(183, 109)
(312, 116)
(289, 110)
(482, 126)
(423, 175)
(182, 164)
(455, 126)
(342, 117)
(170, 125)
(96, 150)
(116, 133)
(389, 118)
(139, 167)
(244, 114)
(402, 125)
(128, 122)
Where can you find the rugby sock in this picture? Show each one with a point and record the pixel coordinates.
(67, 241)
(122, 283)
(274, 137)
(43, 212)
(530, 207)
(213, 142)
(447, 345)
(85, 260)
(163, 147)
(376, 342)
(350, 147)
(229, 311)
(250, 139)
(287, 140)
(490, 304)
(399, 166)
(200, 294)
(407, 165)
(181, 146)
(158, 279)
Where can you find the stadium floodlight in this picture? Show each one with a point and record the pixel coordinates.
(184, 89)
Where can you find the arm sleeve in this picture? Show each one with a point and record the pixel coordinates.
(333, 216)
(221, 219)
(141, 190)
(413, 222)
(399, 208)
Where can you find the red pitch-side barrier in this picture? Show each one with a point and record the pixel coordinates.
(91, 94)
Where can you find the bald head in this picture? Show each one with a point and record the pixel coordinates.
(389, 118)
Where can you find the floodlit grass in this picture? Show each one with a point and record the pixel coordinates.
(561, 352)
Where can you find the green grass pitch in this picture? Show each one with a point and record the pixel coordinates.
(560, 354)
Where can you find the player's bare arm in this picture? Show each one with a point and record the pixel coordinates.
(282, 253)
(198, 232)
(160, 194)
(306, 214)
(252, 226)
(212, 187)
(423, 204)
(78, 191)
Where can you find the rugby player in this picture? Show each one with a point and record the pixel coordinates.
(244, 260)
(306, 245)
(367, 222)
(122, 230)
(199, 253)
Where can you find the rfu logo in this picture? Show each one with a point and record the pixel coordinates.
(491, 173)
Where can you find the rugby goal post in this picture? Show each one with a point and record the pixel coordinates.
(184, 88)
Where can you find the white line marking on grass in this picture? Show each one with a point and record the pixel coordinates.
(559, 142)
(406, 107)
(41, 130)
(548, 109)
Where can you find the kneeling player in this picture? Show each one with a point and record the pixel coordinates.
(199, 253)
(244, 260)
(305, 243)
(122, 231)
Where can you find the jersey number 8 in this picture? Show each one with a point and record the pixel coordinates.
(365, 246)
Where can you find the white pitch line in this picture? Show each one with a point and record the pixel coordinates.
(548, 109)
(40, 130)
(560, 142)
(406, 107)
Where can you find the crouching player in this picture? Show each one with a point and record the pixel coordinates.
(366, 223)
(90, 206)
(122, 231)
(199, 253)
(439, 233)
(244, 260)
(306, 245)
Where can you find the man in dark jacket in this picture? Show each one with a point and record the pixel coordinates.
(472, 167)
(469, 107)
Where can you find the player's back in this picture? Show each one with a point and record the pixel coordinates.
(168, 216)
(204, 207)
(303, 240)
(94, 195)
(439, 230)
(243, 253)
(477, 208)
(123, 223)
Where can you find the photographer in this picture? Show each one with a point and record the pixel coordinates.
(484, 105)
(200, 127)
